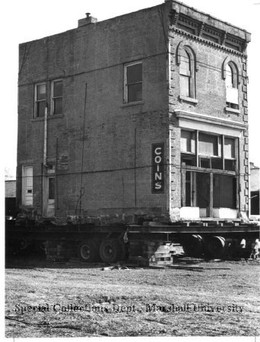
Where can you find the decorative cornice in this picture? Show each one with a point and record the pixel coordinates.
(215, 35)
(207, 42)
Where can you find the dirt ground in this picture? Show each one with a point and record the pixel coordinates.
(66, 300)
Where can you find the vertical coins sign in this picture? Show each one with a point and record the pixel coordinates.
(157, 168)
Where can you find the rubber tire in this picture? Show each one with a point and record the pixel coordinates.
(88, 251)
(193, 246)
(110, 250)
(216, 247)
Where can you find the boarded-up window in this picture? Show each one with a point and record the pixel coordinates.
(232, 95)
(208, 145)
(231, 85)
(187, 142)
(27, 185)
(230, 154)
(229, 148)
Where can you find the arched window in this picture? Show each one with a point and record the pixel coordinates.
(231, 77)
(187, 64)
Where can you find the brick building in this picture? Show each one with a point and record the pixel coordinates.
(140, 115)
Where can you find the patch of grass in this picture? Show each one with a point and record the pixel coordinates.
(135, 302)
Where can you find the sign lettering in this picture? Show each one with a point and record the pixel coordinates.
(158, 168)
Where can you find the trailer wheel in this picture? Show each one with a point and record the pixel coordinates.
(88, 251)
(216, 247)
(110, 250)
(193, 246)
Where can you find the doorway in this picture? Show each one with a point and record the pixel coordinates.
(49, 197)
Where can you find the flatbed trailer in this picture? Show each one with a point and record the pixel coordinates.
(114, 242)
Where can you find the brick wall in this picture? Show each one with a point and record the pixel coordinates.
(104, 167)
(117, 138)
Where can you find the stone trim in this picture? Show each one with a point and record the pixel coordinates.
(192, 116)
(213, 31)
(207, 42)
(232, 110)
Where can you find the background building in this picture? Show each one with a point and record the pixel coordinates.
(141, 115)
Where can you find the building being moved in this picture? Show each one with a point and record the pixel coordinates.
(142, 115)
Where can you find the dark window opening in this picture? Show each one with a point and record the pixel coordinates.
(216, 163)
(40, 100)
(188, 159)
(203, 190)
(224, 192)
(211, 163)
(230, 165)
(134, 82)
(51, 188)
(232, 105)
(205, 163)
(188, 189)
(57, 97)
(255, 208)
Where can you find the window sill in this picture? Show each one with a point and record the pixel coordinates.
(49, 117)
(188, 99)
(188, 153)
(129, 104)
(232, 110)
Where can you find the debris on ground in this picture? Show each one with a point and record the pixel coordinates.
(114, 267)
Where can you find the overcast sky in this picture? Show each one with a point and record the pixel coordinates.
(25, 20)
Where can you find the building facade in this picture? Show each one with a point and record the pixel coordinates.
(142, 115)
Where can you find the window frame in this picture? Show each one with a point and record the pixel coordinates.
(37, 101)
(53, 98)
(126, 84)
(231, 88)
(26, 195)
(191, 141)
(186, 75)
(217, 161)
(192, 73)
(216, 145)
